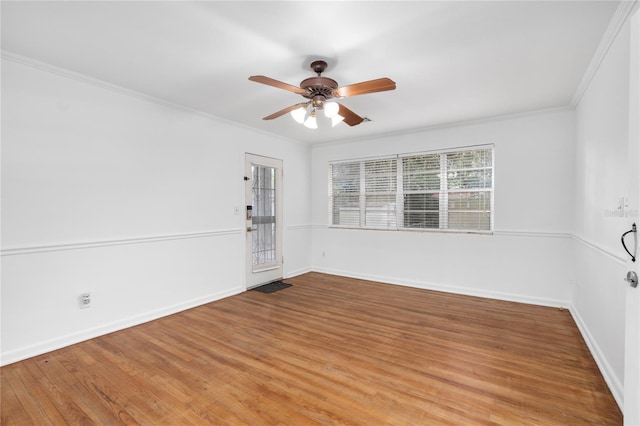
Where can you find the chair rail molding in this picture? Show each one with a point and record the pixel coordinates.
(16, 251)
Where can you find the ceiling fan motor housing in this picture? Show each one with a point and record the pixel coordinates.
(319, 88)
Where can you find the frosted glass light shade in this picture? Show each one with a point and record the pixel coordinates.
(299, 114)
(336, 119)
(331, 109)
(311, 122)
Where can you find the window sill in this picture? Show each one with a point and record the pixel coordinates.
(415, 230)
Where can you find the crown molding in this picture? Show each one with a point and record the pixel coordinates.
(620, 16)
(82, 78)
(453, 124)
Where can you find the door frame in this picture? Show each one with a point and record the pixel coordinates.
(256, 278)
(631, 402)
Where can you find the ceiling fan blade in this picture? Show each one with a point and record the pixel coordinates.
(275, 83)
(286, 110)
(350, 117)
(371, 86)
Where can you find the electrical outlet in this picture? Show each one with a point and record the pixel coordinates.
(85, 300)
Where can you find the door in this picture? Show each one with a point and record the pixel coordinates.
(263, 219)
(632, 308)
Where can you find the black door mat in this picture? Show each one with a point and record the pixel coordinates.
(272, 287)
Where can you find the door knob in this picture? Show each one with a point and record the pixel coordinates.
(632, 279)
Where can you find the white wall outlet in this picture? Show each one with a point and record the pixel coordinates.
(85, 300)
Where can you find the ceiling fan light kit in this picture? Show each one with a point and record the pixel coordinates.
(337, 119)
(311, 122)
(299, 114)
(331, 109)
(320, 90)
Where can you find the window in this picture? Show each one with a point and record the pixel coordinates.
(437, 190)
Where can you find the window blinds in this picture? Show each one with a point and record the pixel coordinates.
(439, 190)
(344, 194)
(380, 187)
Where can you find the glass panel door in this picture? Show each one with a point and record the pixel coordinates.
(263, 224)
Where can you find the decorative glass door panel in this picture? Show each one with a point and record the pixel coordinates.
(263, 221)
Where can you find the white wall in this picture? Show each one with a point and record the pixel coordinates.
(124, 197)
(602, 177)
(525, 259)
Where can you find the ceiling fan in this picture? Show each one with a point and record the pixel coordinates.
(320, 91)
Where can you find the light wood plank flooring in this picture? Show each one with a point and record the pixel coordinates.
(328, 350)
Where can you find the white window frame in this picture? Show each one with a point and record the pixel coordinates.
(397, 222)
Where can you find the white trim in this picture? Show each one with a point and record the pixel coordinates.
(106, 243)
(604, 251)
(73, 338)
(453, 124)
(360, 159)
(298, 227)
(415, 230)
(615, 25)
(43, 66)
(505, 233)
(452, 150)
(535, 234)
(501, 233)
(265, 269)
(429, 285)
(416, 153)
(296, 272)
(616, 388)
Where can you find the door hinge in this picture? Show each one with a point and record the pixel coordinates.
(282, 259)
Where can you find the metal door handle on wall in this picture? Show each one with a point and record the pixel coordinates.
(633, 229)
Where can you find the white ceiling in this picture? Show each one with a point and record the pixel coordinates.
(452, 61)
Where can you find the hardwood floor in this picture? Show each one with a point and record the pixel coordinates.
(328, 350)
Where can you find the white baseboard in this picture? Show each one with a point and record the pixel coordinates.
(427, 285)
(73, 338)
(295, 273)
(616, 388)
